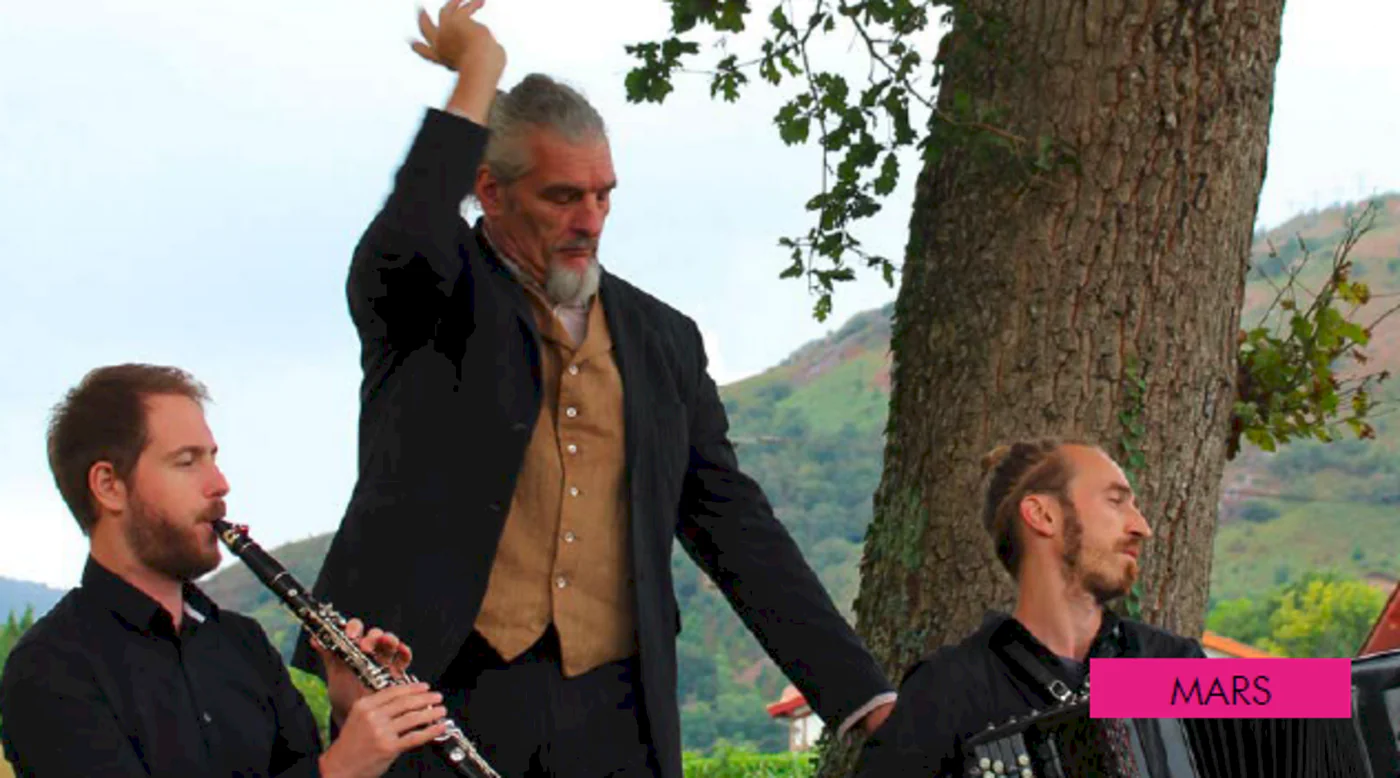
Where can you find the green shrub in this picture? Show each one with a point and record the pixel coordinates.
(733, 763)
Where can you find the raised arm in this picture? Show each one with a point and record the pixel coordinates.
(408, 262)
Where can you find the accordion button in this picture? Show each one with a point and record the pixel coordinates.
(1026, 773)
(984, 763)
(999, 767)
(1023, 760)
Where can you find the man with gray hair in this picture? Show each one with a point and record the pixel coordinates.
(535, 434)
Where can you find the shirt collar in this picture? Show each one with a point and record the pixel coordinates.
(525, 279)
(1110, 640)
(135, 606)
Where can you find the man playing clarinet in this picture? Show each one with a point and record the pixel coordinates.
(136, 672)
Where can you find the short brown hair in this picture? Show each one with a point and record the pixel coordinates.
(103, 419)
(1025, 467)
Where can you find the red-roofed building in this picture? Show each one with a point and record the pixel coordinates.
(1219, 646)
(1385, 633)
(804, 726)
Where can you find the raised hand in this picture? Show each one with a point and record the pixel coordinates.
(458, 42)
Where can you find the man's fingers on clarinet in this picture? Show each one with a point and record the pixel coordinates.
(420, 737)
(388, 695)
(421, 708)
(410, 721)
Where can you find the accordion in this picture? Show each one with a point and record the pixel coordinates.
(1065, 742)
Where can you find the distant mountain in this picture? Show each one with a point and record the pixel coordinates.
(811, 431)
(15, 596)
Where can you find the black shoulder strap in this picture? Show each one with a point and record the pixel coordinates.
(1018, 655)
(1007, 643)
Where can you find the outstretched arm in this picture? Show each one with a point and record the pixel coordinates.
(728, 527)
(919, 738)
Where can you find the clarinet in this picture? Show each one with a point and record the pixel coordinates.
(329, 628)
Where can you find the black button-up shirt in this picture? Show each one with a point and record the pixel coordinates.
(103, 685)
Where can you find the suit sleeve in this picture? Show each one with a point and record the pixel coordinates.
(57, 721)
(920, 737)
(408, 262)
(728, 527)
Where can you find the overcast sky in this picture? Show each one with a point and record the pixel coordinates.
(183, 183)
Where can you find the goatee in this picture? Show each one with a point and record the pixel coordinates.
(569, 287)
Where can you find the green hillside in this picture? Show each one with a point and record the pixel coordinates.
(811, 431)
(16, 596)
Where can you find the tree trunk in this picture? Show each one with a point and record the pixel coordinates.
(1101, 302)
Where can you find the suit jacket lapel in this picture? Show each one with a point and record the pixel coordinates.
(628, 350)
(504, 287)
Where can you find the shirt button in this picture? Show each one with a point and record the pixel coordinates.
(561, 582)
(207, 717)
(572, 449)
(571, 412)
(568, 537)
(573, 369)
(573, 491)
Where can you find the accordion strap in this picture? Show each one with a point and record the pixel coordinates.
(1019, 656)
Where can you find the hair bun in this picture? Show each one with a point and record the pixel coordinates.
(993, 458)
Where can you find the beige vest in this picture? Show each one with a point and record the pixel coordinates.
(564, 553)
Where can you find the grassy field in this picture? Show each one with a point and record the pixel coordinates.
(1349, 538)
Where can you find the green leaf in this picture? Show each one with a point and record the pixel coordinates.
(889, 175)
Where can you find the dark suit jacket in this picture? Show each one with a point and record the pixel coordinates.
(451, 389)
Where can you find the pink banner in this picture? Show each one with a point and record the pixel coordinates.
(1219, 688)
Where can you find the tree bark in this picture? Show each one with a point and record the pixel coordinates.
(1101, 301)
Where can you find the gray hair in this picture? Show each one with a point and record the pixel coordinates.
(537, 102)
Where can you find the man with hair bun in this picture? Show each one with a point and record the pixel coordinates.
(1065, 524)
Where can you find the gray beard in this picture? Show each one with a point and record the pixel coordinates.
(571, 288)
